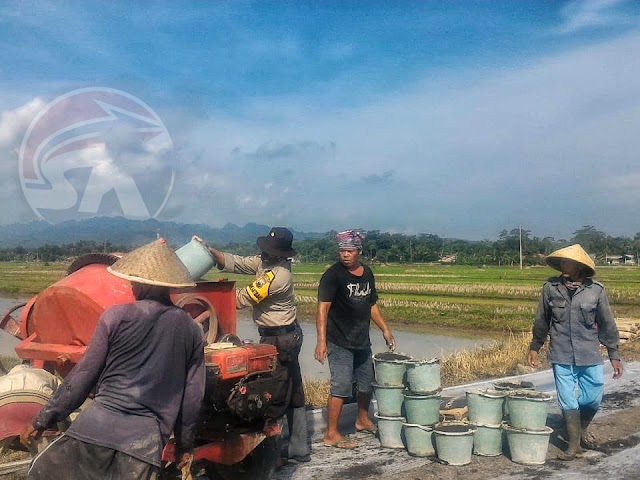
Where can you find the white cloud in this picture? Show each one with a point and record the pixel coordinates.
(587, 14)
(14, 123)
(461, 153)
(465, 157)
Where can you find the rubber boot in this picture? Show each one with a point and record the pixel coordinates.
(299, 449)
(587, 440)
(572, 426)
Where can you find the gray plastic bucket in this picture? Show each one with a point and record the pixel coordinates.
(528, 447)
(454, 442)
(389, 399)
(485, 406)
(419, 439)
(196, 257)
(528, 409)
(422, 409)
(487, 440)
(390, 368)
(390, 431)
(423, 376)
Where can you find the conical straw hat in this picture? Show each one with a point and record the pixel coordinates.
(575, 253)
(153, 264)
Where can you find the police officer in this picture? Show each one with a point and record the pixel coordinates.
(272, 297)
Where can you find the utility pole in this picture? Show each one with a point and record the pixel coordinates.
(520, 229)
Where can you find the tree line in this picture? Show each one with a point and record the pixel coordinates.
(56, 253)
(386, 247)
(425, 248)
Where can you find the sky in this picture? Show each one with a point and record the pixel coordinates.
(458, 118)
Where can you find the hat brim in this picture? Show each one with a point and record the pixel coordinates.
(574, 253)
(146, 281)
(153, 264)
(554, 262)
(263, 244)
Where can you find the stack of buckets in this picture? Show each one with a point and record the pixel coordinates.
(527, 431)
(410, 416)
(520, 413)
(486, 411)
(408, 413)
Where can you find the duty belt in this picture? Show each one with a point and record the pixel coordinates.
(276, 331)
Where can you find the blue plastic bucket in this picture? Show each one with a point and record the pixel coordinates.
(422, 409)
(419, 439)
(423, 376)
(389, 399)
(390, 368)
(196, 257)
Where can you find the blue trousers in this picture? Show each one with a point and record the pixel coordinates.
(589, 381)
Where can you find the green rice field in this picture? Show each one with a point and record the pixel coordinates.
(435, 296)
(494, 298)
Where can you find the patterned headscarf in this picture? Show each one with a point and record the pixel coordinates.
(350, 239)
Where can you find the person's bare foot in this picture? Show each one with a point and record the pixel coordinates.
(366, 427)
(340, 441)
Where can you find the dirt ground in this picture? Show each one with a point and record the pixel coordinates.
(614, 432)
(616, 428)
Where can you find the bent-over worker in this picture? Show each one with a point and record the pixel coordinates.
(145, 363)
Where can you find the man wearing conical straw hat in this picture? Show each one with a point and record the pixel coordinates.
(574, 312)
(145, 364)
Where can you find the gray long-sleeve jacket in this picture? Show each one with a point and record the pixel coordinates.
(273, 302)
(576, 325)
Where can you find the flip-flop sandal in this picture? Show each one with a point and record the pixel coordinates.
(344, 444)
(373, 430)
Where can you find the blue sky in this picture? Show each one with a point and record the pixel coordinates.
(453, 118)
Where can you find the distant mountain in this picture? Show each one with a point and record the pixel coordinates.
(125, 232)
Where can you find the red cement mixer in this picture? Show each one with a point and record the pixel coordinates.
(56, 326)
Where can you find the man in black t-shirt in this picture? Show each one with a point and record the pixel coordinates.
(347, 302)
